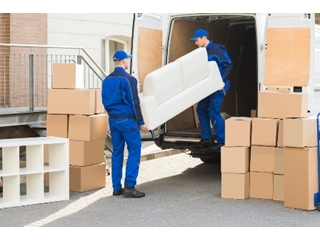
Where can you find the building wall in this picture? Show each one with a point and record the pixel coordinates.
(22, 28)
(87, 30)
(4, 38)
(28, 28)
(90, 31)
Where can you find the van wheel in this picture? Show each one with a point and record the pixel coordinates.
(158, 141)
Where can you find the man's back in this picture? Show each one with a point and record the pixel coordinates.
(120, 95)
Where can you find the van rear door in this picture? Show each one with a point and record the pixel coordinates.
(146, 45)
(146, 48)
(289, 50)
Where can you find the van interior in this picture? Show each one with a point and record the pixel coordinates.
(238, 34)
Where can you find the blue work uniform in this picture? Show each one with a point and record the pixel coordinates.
(121, 100)
(209, 108)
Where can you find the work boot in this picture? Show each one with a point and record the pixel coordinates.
(216, 147)
(117, 192)
(132, 192)
(204, 143)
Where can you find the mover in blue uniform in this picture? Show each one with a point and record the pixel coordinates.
(209, 108)
(121, 101)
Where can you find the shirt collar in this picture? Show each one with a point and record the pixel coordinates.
(119, 69)
(209, 44)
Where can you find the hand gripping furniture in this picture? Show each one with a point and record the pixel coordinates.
(177, 86)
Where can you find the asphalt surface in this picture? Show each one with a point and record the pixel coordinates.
(181, 191)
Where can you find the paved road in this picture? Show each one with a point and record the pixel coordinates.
(180, 192)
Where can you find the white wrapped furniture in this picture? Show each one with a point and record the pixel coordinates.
(177, 86)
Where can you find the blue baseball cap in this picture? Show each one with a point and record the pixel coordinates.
(120, 55)
(199, 33)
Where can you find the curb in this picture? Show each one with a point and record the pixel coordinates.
(147, 157)
(160, 154)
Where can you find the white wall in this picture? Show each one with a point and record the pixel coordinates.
(87, 30)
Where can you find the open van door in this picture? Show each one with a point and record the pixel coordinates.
(146, 48)
(146, 45)
(289, 50)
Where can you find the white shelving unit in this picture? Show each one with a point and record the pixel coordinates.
(56, 164)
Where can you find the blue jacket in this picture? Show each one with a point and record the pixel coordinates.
(219, 53)
(120, 97)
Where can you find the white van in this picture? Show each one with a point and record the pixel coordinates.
(278, 51)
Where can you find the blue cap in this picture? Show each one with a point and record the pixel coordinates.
(199, 33)
(120, 55)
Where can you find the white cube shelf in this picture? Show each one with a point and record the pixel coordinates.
(43, 155)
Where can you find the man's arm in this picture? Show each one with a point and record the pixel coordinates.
(135, 100)
(221, 57)
(228, 65)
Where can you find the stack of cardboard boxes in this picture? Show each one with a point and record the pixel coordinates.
(300, 162)
(282, 154)
(77, 113)
(263, 153)
(235, 158)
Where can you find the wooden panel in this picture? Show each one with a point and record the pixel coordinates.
(276, 89)
(184, 120)
(287, 57)
(180, 40)
(149, 51)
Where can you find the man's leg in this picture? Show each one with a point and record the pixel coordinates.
(131, 133)
(215, 115)
(203, 114)
(117, 155)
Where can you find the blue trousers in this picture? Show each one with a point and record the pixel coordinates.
(209, 110)
(125, 131)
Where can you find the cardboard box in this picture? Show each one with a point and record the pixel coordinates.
(253, 113)
(67, 75)
(280, 133)
(300, 132)
(234, 159)
(99, 108)
(235, 185)
(88, 128)
(301, 177)
(264, 131)
(262, 159)
(87, 178)
(279, 161)
(71, 101)
(57, 125)
(278, 188)
(83, 153)
(282, 105)
(261, 185)
(238, 132)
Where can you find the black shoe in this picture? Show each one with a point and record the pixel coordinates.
(132, 192)
(216, 147)
(117, 192)
(204, 143)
